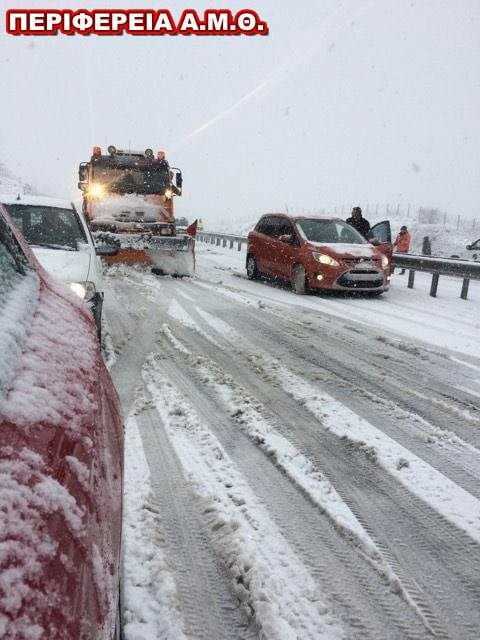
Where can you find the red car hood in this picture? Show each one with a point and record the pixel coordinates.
(339, 250)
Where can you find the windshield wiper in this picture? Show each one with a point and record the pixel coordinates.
(49, 245)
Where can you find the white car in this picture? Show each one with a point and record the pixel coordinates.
(61, 241)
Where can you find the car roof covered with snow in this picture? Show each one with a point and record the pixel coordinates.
(37, 201)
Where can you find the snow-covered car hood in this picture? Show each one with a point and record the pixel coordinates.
(340, 250)
(68, 266)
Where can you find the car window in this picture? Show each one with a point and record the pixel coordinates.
(12, 263)
(51, 227)
(266, 226)
(285, 227)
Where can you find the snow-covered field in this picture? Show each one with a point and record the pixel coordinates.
(296, 467)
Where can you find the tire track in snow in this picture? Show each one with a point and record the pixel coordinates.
(380, 397)
(368, 604)
(270, 582)
(208, 607)
(427, 520)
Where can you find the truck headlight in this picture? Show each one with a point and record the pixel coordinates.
(385, 262)
(84, 290)
(323, 258)
(96, 190)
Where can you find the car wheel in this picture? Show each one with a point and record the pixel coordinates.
(252, 269)
(299, 280)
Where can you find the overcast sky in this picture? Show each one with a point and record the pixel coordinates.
(342, 103)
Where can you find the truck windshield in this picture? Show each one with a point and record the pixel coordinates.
(144, 180)
(329, 231)
(50, 227)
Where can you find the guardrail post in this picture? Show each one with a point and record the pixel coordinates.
(464, 294)
(231, 244)
(411, 278)
(224, 242)
(212, 240)
(217, 242)
(239, 245)
(434, 285)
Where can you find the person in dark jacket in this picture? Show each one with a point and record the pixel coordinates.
(426, 246)
(358, 222)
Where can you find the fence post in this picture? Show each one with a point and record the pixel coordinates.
(464, 293)
(411, 278)
(239, 245)
(218, 242)
(224, 242)
(231, 244)
(434, 285)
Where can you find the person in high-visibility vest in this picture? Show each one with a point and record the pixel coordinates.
(402, 243)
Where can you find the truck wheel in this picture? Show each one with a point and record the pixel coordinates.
(252, 269)
(299, 280)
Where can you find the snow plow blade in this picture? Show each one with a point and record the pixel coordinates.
(174, 255)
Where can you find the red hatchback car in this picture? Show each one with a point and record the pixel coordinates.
(61, 460)
(320, 253)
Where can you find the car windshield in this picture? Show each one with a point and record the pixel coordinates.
(143, 180)
(329, 231)
(50, 227)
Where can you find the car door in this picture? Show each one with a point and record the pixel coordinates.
(381, 234)
(263, 244)
(285, 252)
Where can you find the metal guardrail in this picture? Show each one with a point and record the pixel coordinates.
(222, 239)
(465, 269)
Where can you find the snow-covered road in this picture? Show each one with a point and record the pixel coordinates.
(297, 468)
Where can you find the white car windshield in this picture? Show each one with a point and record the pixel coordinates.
(50, 227)
(329, 231)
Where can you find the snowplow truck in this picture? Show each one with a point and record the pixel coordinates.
(128, 201)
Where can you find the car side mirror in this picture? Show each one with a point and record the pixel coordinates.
(287, 238)
(106, 250)
(179, 180)
(374, 241)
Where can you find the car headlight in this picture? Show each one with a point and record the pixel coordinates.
(84, 290)
(323, 258)
(385, 262)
